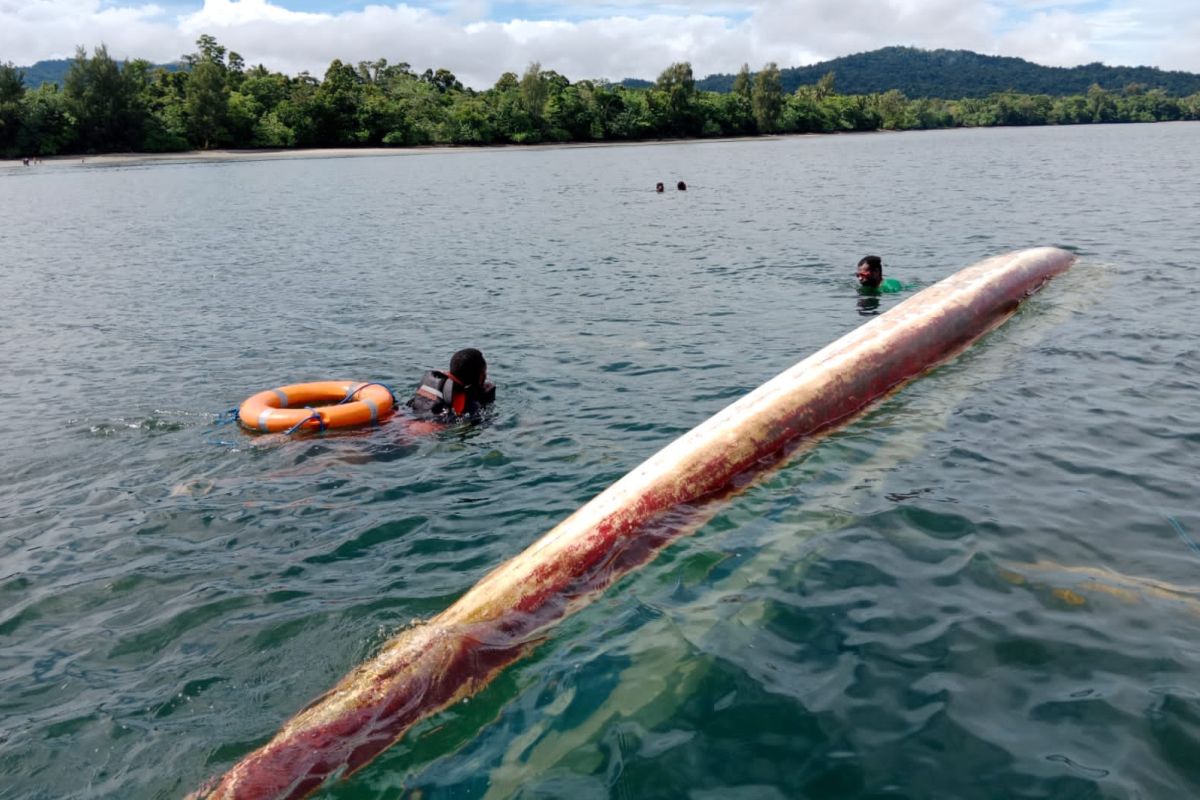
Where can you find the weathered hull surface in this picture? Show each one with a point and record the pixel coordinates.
(453, 655)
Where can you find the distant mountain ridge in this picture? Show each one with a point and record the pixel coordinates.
(945, 74)
(955, 74)
(55, 69)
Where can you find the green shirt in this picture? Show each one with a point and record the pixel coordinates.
(886, 286)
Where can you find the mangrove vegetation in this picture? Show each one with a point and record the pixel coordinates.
(214, 100)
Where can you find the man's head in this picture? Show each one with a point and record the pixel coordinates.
(469, 367)
(870, 271)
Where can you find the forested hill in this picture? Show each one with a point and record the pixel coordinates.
(51, 71)
(961, 73)
(55, 70)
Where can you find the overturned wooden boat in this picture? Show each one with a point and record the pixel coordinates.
(427, 667)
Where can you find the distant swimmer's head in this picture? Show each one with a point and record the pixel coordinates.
(681, 186)
(870, 272)
(658, 187)
(469, 367)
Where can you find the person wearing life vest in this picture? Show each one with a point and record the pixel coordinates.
(462, 391)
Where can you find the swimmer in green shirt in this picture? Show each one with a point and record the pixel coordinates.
(870, 277)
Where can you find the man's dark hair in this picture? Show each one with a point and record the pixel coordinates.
(874, 262)
(468, 366)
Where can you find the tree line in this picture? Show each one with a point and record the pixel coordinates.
(216, 101)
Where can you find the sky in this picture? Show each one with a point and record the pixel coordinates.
(479, 40)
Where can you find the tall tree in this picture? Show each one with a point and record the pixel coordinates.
(207, 49)
(12, 83)
(678, 89)
(47, 127)
(534, 92)
(893, 108)
(825, 86)
(235, 71)
(442, 79)
(742, 83)
(1101, 103)
(372, 71)
(767, 98)
(12, 90)
(103, 102)
(207, 104)
(338, 101)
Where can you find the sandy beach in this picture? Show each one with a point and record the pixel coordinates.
(204, 156)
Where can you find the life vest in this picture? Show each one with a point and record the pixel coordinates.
(439, 395)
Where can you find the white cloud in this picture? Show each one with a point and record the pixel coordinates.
(1055, 38)
(1179, 50)
(234, 13)
(830, 28)
(613, 38)
(1160, 34)
(52, 28)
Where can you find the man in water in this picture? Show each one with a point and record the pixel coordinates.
(461, 391)
(870, 276)
(658, 187)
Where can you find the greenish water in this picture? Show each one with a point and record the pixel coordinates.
(899, 612)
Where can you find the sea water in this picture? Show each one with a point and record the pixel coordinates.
(986, 587)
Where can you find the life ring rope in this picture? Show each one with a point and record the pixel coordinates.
(351, 394)
(314, 415)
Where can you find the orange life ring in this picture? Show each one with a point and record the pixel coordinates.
(321, 404)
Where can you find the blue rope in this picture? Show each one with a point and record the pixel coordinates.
(224, 418)
(353, 390)
(1189, 541)
(356, 389)
(314, 415)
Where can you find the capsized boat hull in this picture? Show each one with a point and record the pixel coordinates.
(425, 668)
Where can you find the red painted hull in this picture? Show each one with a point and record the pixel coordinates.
(424, 669)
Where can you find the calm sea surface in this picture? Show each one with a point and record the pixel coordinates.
(987, 587)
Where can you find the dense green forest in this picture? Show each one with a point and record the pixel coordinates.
(961, 73)
(216, 101)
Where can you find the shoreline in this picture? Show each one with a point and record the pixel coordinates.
(275, 154)
(227, 155)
